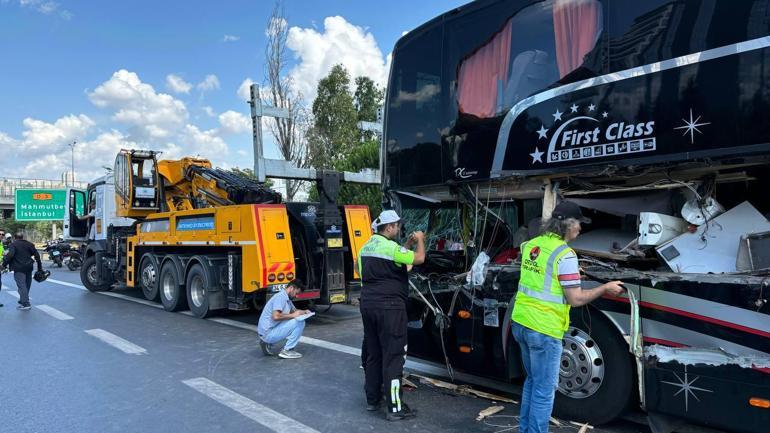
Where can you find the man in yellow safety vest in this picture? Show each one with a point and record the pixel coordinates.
(548, 287)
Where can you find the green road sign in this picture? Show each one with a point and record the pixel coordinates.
(40, 204)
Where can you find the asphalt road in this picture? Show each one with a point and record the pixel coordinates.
(113, 362)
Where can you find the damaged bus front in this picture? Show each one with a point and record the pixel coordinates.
(650, 116)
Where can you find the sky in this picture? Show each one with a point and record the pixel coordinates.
(168, 75)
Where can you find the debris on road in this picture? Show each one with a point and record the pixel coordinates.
(462, 389)
(491, 410)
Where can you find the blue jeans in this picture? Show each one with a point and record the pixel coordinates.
(291, 330)
(540, 354)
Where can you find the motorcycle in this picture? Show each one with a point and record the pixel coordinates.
(75, 259)
(57, 252)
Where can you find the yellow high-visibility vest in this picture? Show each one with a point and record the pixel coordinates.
(540, 303)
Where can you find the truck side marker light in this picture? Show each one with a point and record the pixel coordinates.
(290, 275)
(271, 278)
(465, 349)
(281, 276)
(464, 314)
(762, 403)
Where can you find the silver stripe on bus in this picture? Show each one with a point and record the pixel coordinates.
(676, 334)
(151, 243)
(238, 243)
(193, 243)
(676, 62)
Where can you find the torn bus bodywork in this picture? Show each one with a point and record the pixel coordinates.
(654, 124)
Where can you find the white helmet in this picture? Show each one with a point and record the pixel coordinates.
(8, 236)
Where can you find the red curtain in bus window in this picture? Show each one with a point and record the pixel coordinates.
(576, 25)
(483, 73)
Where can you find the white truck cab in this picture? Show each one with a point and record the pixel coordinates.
(101, 193)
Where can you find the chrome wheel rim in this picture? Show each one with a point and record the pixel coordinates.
(168, 287)
(91, 274)
(148, 276)
(581, 367)
(197, 291)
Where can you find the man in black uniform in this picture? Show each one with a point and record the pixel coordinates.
(382, 265)
(19, 257)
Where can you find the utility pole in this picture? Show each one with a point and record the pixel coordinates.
(72, 172)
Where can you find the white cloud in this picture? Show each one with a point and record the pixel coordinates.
(211, 82)
(177, 84)
(209, 111)
(206, 143)
(230, 38)
(244, 90)
(232, 122)
(39, 136)
(46, 7)
(149, 115)
(340, 42)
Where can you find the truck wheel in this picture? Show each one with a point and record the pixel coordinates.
(172, 295)
(149, 275)
(596, 375)
(197, 291)
(88, 276)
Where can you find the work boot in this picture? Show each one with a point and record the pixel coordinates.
(404, 413)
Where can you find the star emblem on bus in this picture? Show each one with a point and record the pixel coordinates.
(691, 126)
(685, 387)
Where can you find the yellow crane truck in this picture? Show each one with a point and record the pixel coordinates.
(204, 238)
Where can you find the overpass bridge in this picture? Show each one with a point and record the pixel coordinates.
(9, 185)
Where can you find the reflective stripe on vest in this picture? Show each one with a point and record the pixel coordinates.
(540, 303)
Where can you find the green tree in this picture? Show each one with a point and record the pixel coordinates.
(248, 173)
(334, 131)
(367, 98)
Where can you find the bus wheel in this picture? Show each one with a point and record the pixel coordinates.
(149, 274)
(88, 275)
(596, 375)
(197, 291)
(172, 295)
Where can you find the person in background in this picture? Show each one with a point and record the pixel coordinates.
(382, 265)
(279, 321)
(549, 285)
(20, 260)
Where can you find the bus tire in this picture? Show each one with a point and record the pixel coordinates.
(88, 275)
(593, 343)
(149, 276)
(172, 294)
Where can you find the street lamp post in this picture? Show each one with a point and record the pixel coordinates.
(72, 172)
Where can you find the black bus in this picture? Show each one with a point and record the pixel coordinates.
(651, 115)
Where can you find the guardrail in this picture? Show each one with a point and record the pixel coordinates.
(9, 185)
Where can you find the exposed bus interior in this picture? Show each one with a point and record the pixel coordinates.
(636, 216)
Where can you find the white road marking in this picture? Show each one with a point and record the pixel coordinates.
(13, 293)
(117, 342)
(129, 298)
(64, 283)
(53, 312)
(263, 415)
(332, 346)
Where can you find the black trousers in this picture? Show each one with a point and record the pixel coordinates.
(386, 344)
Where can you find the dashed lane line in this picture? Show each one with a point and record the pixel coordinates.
(263, 415)
(117, 342)
(13, 293)
(53, 312)
(64, 283)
